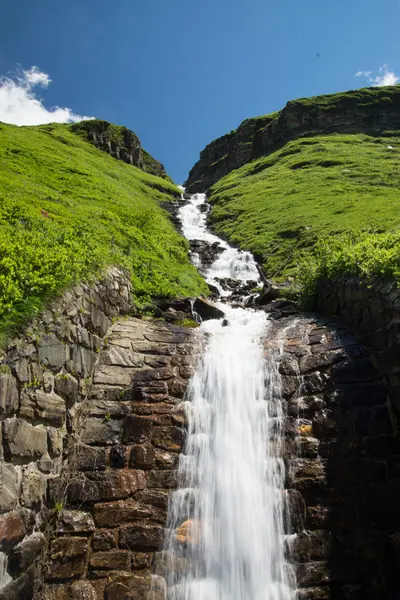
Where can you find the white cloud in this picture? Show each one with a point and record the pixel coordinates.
(20, 105)
(385, 76)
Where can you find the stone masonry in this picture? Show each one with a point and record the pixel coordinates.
(342, 456)
(90, 434)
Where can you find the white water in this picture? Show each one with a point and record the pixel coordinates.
(5, 578)
(232, 263)
(225, 534)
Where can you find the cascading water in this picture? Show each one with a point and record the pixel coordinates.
(225, 536)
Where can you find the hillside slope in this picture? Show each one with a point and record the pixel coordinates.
(371, 110)
(298, 201)
(67, 210)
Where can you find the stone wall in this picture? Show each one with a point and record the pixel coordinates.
(372, 312)
(79, 469)
(343, 456)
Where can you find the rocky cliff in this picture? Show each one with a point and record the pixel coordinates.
(372, 111)
(121, 143)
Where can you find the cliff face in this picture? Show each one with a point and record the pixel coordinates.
(121, 143)
(372, 111)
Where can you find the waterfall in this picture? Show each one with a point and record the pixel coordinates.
(5, 578)
(225, 535)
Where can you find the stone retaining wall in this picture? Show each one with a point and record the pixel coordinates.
(77, 468)
(343, 456)
(372, 312)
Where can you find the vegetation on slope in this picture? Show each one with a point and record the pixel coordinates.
(362, 254)
(310, 191)
(67, 210)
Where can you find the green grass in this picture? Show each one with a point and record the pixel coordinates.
(67, 210)
(310, 190)
(369, 256)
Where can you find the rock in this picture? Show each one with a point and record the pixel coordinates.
(55, 442)
(113, 514)
(158, 588)
(87, 458)
(9, 488)
(104, 431)
(67, 557)
(313, 573)
(52, 352)
(119, 457)
(12, 529)
(82, 361)
(104, 539)
(142, 456)
(269, 292)
(136, 429)
(168, 438)
(141, 560)
(34, 487)
(38, 406)
(112, 559)
(66, 386)
(207, 309)
(22, 440)
(8, 395)
(103, 486)
(214, 290)
(75, 521)
(141, 536)
(21, 588)
(81, 590)
(26, 552)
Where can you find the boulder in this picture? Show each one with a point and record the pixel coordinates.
(207, 309)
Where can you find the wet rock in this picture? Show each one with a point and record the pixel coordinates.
(81, 590)
(12, 529)
(119, 456)
(104, 431)
(67, 557)
(87, 458)
(103, 486)
(136, 429)
(168, 438)
(141, 536)
(207, 309)
(207, 253)
(75, 521)
(21, 588)
(143, 456)
(104, 539)
(112, 559)
(113, 514)
(313, 573)
(26, 552)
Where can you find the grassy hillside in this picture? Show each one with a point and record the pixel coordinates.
(67, 210)
(308, 192)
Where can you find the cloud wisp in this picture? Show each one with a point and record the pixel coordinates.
(20, 105)
(385, 76)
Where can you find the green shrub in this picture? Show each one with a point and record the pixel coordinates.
(369, 256)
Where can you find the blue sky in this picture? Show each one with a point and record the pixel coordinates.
(183, 72)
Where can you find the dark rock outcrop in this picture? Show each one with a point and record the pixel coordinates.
(372, 111)
(119, 142)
